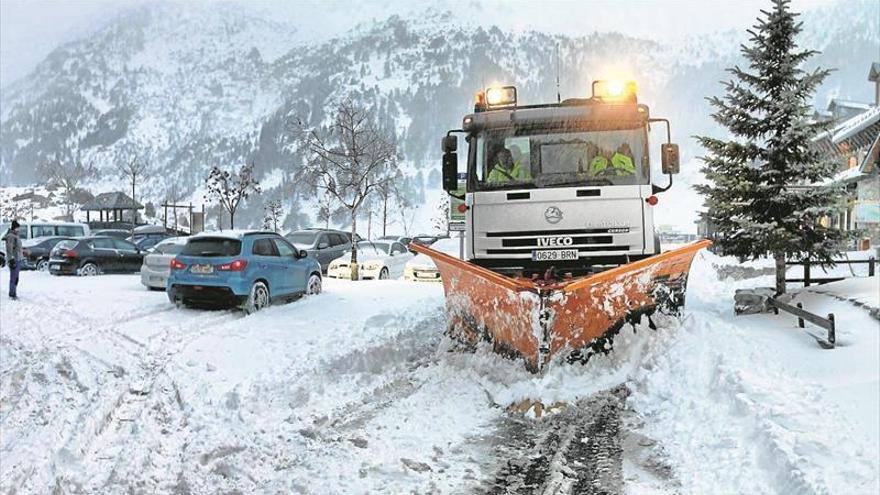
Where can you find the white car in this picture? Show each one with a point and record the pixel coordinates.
(157, 263)
(422, 268)
(378, 260)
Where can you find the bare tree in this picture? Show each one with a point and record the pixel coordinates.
(325, 208)
(273, 213)
(350, 160)
(440, 220)
(67, 175)
(230, 188)
(132, 170)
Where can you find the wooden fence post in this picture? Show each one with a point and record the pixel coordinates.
(807, 272)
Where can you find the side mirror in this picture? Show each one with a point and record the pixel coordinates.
(301, 253)
(670, 158)
(450, 171)
(449, 144)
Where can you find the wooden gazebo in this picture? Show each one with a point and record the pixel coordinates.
(111, 205)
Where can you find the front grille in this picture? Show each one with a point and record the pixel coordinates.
(580, 249)
(576, 241)
(541, 233)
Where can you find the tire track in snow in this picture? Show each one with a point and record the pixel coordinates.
(117, 432)
(575, 451)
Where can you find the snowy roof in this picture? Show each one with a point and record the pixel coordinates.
(231, 234)
(871, 157)
(853, 126)
(848, 175)
(848, 104)
(874, 73)
(111, 201)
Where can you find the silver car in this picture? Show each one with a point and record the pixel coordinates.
(157, 263)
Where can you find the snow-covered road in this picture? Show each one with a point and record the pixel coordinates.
(107, 388)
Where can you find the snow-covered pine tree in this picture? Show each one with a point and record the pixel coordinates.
(765, 192)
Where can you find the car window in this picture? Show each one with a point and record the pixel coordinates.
(70, 244)
(379, 246)
(397, 248)
(284, 249)
(339, 239)
(124, 245)
(169, 248)
(212, 246)
(304, 238)
(102, 244)
(70, 230)
(323, 238)
(264, 247)
(42, 230)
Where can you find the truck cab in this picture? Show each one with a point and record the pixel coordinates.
(564, 185)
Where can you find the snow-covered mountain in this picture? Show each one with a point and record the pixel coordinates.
(192, 86)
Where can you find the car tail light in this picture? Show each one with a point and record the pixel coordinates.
(177, 265)
(651, 200)
(235, 266)
(69, 253)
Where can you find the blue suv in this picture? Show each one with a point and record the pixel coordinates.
(241, 268)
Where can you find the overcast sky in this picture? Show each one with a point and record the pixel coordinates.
(30, 29)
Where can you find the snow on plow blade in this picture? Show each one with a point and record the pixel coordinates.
(538, 320)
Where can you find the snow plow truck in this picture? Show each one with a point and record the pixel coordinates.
(560, 249)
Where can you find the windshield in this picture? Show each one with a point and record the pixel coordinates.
(565, 156)
(380, 246)
(302, 238)
(212, 247)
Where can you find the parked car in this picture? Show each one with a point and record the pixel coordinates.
(376, 260)
(157, 262)
(147, 236)
(36, 251)
(114, 233)
(33, 230)
(396, 238)
(94, 255)
(323, 245)
(241, 268)
(422, 268)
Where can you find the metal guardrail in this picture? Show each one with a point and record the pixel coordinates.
(803, 315)
(807, 279)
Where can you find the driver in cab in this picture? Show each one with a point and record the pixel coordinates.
(505, 169)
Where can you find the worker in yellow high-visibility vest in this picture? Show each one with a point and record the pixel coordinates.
(621, 163)
(505, 169)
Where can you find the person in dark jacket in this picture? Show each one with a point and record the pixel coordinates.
(13, 257)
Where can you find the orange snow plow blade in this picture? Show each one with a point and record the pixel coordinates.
(538, 320)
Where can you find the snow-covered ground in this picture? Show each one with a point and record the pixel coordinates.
(107, 388)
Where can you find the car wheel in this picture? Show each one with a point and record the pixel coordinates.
(43, 265)
(383, 274)
(88, 270)
(314, 285)
(258, 298)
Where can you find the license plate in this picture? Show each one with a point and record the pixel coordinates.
(154, 278)
(555, 255)
(54, 266)
(203, 269)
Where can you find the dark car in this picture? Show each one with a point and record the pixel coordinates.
(323, 245)
(94, 255)
(36, 251)
(147, 236)
(114, 233)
